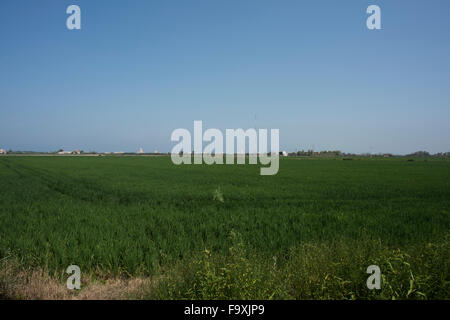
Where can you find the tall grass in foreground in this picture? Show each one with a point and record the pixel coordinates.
(312, 271)
(307, 271)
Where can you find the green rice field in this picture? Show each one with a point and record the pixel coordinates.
(225, 231)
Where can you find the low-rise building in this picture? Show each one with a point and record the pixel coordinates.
(2, 151)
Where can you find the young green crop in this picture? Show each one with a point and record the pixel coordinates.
(140, 215)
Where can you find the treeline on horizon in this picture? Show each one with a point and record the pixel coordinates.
(300, 153)
(338, 153)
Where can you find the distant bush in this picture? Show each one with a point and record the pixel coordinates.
(419, 154)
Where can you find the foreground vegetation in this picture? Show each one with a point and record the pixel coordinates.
(312, 271)
(226, 232)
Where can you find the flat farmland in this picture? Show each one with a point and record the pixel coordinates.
(225, 232)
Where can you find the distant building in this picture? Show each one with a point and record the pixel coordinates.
(76, 152)
(64, 152)
(2, 151)
(283, 153)
(141, 151)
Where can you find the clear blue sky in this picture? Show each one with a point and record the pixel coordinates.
(139, 69)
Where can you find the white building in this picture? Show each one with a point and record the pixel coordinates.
(65, 152)
(283, 153)
(2, 151)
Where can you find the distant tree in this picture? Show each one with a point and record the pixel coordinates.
(419, 154)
